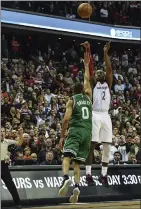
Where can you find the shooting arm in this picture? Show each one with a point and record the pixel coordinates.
(109, 74)
(68, 114)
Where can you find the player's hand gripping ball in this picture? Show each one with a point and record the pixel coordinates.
(84, 10)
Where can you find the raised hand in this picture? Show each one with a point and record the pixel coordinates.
(106, 47)
(86, 58)
(86, 44)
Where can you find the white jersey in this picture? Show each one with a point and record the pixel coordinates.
(101, 97)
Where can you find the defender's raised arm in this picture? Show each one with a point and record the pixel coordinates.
(87, 86)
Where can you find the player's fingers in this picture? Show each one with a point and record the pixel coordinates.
(108, 44)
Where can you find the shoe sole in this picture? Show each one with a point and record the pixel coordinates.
(63, 190)
(74, 197)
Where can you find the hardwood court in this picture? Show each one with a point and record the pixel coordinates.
(104, 205)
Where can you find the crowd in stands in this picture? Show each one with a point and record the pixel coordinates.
(111, 12)
(35, 89)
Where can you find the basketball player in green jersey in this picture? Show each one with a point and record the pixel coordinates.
(78, 117)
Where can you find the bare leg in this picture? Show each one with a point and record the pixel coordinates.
(66, 181)
(105, 158)
(66, 165)
(105, 162)
(76, 167)
(89, 160)
(76, 190)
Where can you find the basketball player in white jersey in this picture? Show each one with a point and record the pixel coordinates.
(102, 125)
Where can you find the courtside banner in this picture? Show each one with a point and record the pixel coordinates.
(43, 182)
(64, 25)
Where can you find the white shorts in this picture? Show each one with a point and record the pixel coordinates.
(101, 127)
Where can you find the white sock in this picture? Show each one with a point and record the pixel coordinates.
(104, 171)
(88, 169)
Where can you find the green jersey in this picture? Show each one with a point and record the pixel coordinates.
(82, 112)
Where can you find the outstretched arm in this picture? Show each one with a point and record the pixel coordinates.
(67, 116)
(109, 74)
(87, 85)
(87, 47)
(65, 122)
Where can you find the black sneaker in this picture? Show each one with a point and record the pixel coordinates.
(103, 180)
(89, 180)
(66, 183)
(74, 198)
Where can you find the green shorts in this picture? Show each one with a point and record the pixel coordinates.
(78, 143)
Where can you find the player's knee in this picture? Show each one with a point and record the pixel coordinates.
(75, 163)
(106, 152)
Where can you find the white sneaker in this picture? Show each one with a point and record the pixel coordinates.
(64, 187)
(74, 197)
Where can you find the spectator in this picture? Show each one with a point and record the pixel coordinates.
(117, 158)
(34, 158)
(4, 46)
(132, 159)
(47, 148)
(124, 147)
(15, 47)
(97, 157)
(104, 13)
(49, 160)
(27, 154)
(125, 59)
(119, 86)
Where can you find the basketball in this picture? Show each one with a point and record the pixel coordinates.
(84, 10)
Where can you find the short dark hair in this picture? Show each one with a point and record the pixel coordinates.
(78, 88)
(117, 152)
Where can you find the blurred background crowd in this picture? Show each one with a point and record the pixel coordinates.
(111, 12)
(38, 72)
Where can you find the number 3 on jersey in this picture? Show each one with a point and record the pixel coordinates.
(85, 113)
(103, 95)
